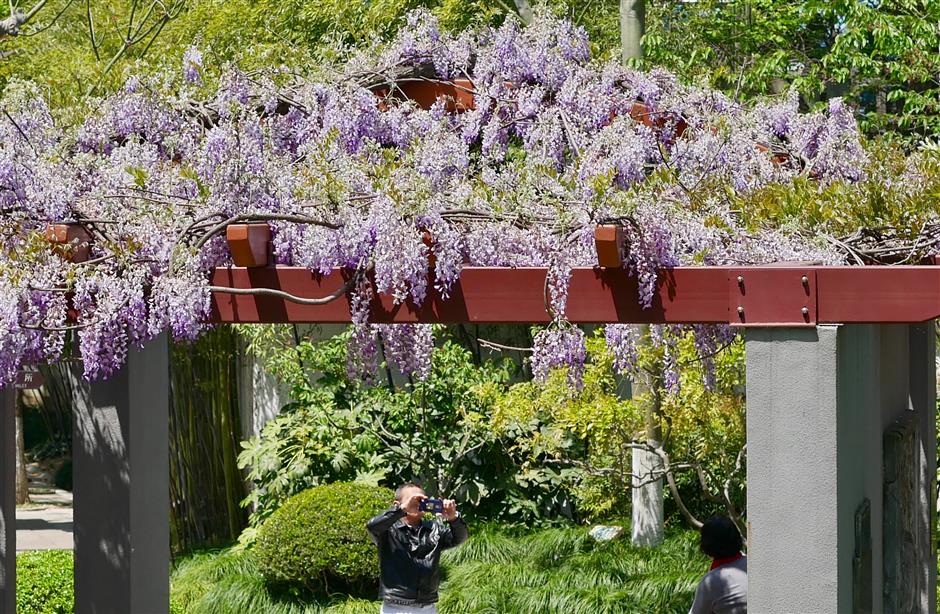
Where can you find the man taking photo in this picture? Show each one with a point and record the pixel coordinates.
(410, 549)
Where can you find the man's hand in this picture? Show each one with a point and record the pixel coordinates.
(412, 505)
(450, 510)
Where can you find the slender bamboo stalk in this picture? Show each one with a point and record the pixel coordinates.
(205, 482)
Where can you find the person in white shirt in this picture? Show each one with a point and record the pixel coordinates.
(723, 590)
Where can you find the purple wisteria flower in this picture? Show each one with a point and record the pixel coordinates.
(559, 347)
(622, 341)
(406, 197)
(409, 347)
(192, 65)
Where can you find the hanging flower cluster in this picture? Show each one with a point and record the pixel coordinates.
(351, 173)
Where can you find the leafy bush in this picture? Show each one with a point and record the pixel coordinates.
(435, 432)
(45, 582)
(318, 541)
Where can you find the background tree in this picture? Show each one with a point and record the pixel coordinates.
(17, 17)
(632, 29)
(881, 55)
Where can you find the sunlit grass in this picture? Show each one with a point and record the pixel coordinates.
(554, 570)
(564, 570)
(228, 582)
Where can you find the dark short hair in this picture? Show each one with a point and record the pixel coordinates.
(721, 538)
(401, 489)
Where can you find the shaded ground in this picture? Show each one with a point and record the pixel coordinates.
(45, 523)
(44, 529)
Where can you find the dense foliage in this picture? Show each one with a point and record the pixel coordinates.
(44, 582)
(881, 55)
(590, 434)
(890, 217)
(73, 48)
(549, 571)
(317, 539)
(435, 431)
(521, 452)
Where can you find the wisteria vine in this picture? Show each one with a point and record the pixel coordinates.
(352, 174)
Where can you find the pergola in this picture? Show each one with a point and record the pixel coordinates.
(840, 422)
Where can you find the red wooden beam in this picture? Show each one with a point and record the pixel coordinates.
(743, 296)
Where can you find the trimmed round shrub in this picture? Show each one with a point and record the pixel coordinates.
(318, 540)
(44, 582)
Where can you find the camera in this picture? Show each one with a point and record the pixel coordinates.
(435, 506)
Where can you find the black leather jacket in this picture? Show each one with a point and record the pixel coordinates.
(409, 557)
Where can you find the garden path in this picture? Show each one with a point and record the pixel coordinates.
(47, 528)
(45, 523)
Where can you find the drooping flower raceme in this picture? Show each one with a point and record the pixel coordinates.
(559, 347)
(408, 347)
(192, 65)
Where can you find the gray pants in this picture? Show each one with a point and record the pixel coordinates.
(392, 608)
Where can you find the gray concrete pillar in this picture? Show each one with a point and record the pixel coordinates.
(821, 497)
(8, 500)
(121, 487)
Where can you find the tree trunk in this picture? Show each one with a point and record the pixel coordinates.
(647, 508)
(525, 11)
(632, 29)
(22, 482)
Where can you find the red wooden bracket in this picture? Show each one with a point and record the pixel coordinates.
(250, 244)
(608, 240)
(70, 240)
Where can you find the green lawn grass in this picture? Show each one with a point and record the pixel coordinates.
(558, 570)
(548, 571)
